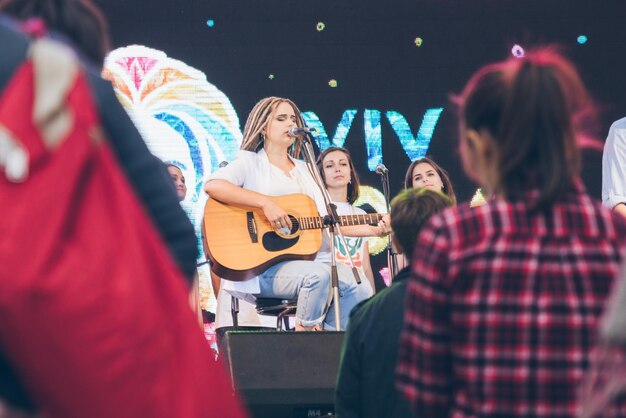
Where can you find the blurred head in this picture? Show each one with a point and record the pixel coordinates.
(426, 173)
(410, 210)
(179, 181)
(337, 169)
(81, 21)
(518, 123)
(264, 121)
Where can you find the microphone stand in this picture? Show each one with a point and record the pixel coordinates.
(331, 220)
(392, 256)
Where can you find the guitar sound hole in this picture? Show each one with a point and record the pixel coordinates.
(273, 242)
(295, 226)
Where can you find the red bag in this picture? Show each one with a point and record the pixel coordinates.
(93, 312)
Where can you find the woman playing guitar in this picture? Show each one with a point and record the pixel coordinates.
(266, 166)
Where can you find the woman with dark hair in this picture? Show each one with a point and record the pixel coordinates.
(178, 178)
(504, 299)
(425, 173)
(342, 182)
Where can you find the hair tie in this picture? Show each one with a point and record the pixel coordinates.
(35, 27)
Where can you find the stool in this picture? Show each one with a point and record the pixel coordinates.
(282, 309)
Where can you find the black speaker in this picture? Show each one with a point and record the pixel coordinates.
(284, 374)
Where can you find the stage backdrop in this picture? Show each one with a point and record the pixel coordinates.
(373, 76)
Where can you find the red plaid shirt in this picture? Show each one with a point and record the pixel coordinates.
(502, 307)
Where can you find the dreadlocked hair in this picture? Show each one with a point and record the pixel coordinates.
(259, 118)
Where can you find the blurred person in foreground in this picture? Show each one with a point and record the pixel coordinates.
(95, 319)
(604, 388)
(504, 299)
(82, 26)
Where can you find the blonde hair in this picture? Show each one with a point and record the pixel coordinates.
(258, 119)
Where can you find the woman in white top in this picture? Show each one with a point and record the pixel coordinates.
(342, 182)
(267, 165)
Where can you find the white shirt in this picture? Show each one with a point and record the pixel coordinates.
(356, 245)
(614, 165)
(253, 171)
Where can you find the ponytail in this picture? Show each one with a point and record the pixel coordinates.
(529, 106)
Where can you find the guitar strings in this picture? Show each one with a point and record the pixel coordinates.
(312, 220)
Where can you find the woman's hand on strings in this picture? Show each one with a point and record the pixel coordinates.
(275, 215)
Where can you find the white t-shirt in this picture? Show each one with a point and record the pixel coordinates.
(356, 245)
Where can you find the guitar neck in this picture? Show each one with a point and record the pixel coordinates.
(317, 222)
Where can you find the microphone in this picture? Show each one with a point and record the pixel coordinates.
(381, 169)
(223, 164)
(295, 132)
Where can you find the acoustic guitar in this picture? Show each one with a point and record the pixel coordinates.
(241, 243)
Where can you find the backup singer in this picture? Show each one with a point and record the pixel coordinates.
(176, 173)
(267, 165)
(342, 182)
(427, 174)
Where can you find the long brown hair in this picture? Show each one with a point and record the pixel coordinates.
(81, 21)
(258, 120)
(353, 186)
(532, 108)
(448, 190)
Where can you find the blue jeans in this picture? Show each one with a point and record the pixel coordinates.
(309, 281)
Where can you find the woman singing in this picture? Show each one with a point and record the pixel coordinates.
(267, 165)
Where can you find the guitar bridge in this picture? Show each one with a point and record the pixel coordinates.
(252, 231)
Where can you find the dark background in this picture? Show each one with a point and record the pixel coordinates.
(368, 47)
